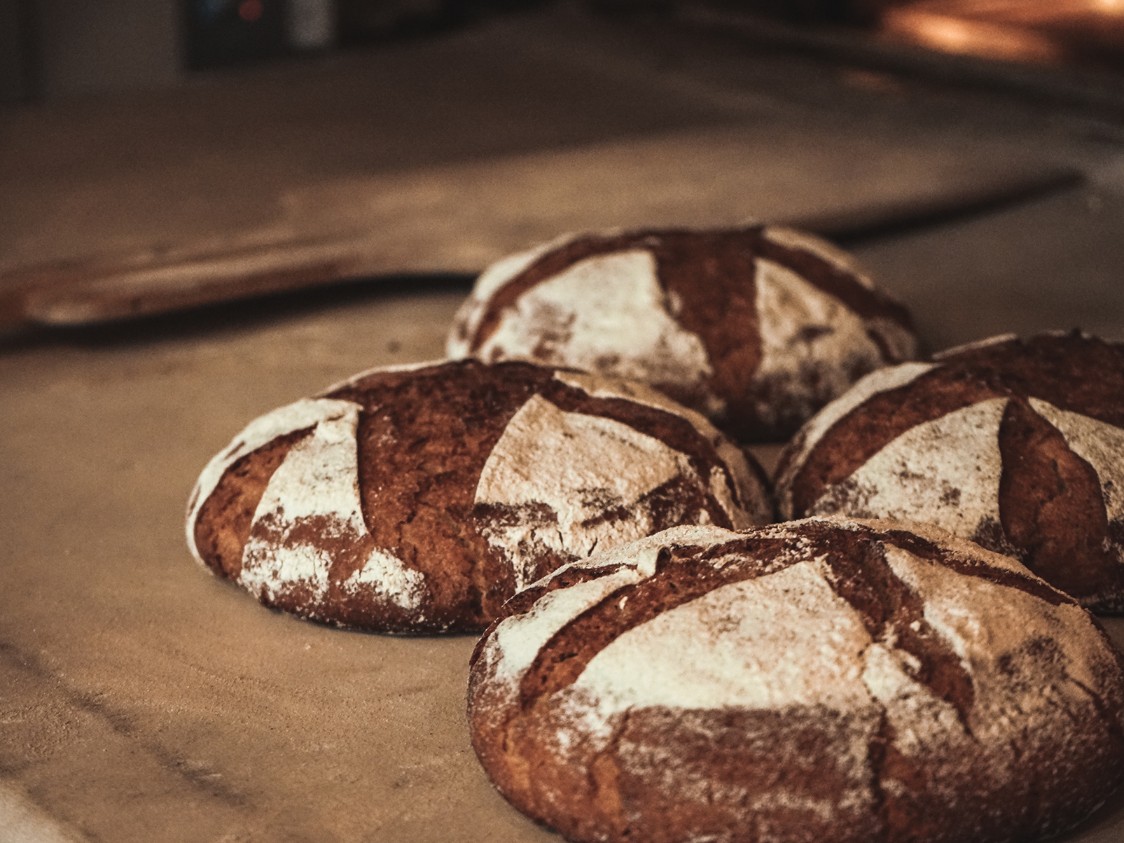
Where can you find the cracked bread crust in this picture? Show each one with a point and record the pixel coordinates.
(420, 499)
(757, 327)
(1012, 443)
(815, 680)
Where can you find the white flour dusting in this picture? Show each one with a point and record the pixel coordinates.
(313, 495)
(578, 467)
(810, 341)
(730, 648)
(318, 481)
(605, 313)
(974, 345)
(828, 252)
(517, 639)
(880, 380)
(753, 508)
(466, 322)
(261, 431)
(944, 472)
(984, 622)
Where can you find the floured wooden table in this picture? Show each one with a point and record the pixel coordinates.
(140, 698)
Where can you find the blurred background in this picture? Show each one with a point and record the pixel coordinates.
(51, 48)
(319, 140)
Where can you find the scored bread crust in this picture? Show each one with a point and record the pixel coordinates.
(1012, 443)
(814, 680)
(755, 326)
(419, 499)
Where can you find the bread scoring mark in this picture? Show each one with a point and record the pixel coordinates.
(502, 286)
(1057, 441)
(738, 485)
(732, 644)
(299, 415)
(629, 333)
(534, 615)
(669, 583)
(944, 472)
(308, 528)
(552, 482)
(1015, 618)
(469, 405)
(517, 640)
(710, 275)
(1098, 443)
(857, 563)
(1055, 503)
(466, 322)
(894, 615)
(639, 392)
(222, 525)
(801, 327)
(830, 254)
(964, 557)
(821, 424)
(687, 300)
(880, 419)
(812, 260)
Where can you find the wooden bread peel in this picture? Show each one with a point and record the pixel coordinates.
(106, 289)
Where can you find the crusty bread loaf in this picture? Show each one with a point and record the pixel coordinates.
(757, 327)
(420, 499)
(811, 681)
(1018, 445)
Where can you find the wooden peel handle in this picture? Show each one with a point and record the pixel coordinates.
(136, 286)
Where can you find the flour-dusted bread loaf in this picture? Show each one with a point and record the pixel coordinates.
(811, 681)
(1018, 445)
(420, 499)
(756, 327)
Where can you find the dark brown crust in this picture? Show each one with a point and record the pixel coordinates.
(423, 438)
(667, 775)
(1051, 505)
(1052, 508)
(933, 552)
(892, 611)
(836, 281)
(862, 577)
(223, 525)
(860, 435)
(1073, 371)
(722, 263)
(678, 579)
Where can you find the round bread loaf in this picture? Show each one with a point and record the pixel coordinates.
(755, 327)
(810, 681)
(419, 499)
(1017, 445)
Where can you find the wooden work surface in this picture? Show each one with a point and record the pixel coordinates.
(143, 700)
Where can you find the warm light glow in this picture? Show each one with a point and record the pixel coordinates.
(969, 37)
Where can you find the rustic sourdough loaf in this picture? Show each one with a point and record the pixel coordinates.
(811, 681)
(1018, 445)
(757, 327)
(420, 499)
